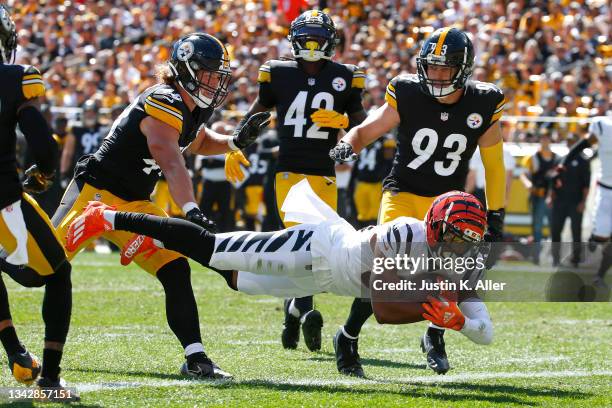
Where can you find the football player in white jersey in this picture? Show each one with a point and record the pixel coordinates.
(600, 133)
(324, 256)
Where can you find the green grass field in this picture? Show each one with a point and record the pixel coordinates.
(121, 353)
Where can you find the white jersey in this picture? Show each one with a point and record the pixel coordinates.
(601, 127)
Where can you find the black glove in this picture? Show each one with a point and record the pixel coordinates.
(342, 152)
(494, 235)
(248, 129)
(196, 216)
(37, 182)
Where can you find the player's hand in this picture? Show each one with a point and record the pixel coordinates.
(233, 171)
(330, 118)
(342, 152)
(494, 235)
(196, 216)
(247, 133)
(443, 313)
(35, 181)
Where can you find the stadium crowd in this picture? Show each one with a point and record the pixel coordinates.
(551, 58)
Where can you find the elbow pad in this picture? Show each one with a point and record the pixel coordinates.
(40, 140)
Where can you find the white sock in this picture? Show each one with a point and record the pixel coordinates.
(348, 336)
(193, 348)
(294, 311)
(109, 215)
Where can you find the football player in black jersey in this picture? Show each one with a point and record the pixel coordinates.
(30, 251)
(309, 84)
(146, 140)
(82, 140)
(441, 118)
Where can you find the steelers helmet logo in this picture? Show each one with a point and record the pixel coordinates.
(339, 84)
(185, 51)
(474, 120)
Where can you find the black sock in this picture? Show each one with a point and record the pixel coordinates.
(361, 310)
(178, 235)
(10, 341)
(57, 304)
(181, 307)
(304, 304)
(435, 330)
(51, 364)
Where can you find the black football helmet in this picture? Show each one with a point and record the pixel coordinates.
(8, 36)
(313, 36)
(201, 52)
(449, 47)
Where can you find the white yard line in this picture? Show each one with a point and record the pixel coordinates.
(110, 386)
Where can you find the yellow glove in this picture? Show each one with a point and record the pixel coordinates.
(233, 160)
(330, 118)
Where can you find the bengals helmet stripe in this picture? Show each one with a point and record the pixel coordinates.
(457, 212)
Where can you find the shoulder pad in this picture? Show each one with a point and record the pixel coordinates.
(32, 84)
(166, 105)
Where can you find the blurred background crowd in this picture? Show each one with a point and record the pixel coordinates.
(551, 58)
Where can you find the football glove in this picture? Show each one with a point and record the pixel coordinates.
(35, 181)
(342, 152)
(25, 367)
(494, 235)
(330, 118)
(233, 171)
(249, 128)
(443, 313)
(196, 216)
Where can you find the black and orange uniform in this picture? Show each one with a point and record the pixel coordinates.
(370, 170)
(304, 147)
(122, 171)
(435, 142)
(41, 248)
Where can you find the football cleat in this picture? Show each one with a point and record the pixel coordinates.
(56, 391)
(204, 370)
(90, 224)
(25, 367)
(137, 245)
(347, 356)
(312, 322)
(432, 343)
(291, 328)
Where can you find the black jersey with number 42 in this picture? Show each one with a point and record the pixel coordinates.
(304, 147)
(436, 141)
(123, 164)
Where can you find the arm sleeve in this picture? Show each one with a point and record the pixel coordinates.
(495, 175)
(264, 78)
(40, 140)
(478, 326)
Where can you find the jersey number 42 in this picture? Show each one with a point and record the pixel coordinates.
(295, 114)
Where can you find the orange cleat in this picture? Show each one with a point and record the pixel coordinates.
(137, 245)
(90, 224)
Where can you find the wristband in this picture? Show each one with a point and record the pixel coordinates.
(231, 144)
